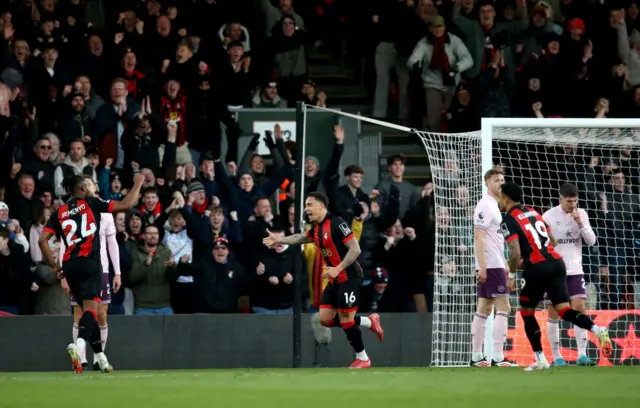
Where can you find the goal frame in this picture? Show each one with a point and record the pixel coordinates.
(486, 133)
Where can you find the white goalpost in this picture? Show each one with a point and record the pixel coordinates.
(599, 156)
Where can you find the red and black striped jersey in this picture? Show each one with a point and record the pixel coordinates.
(331, 236)
(77, 223)
(528, 226)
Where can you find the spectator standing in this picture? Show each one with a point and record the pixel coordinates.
(15, 279)
(220, 282)
(151, 275)
(409, 194)
(442, 57)
(386, 18)
(40, 167)
(75, 163)
(273, 281)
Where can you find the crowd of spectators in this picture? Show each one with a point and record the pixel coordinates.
(109, 89)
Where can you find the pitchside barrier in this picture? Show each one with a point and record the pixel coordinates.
(37, 343)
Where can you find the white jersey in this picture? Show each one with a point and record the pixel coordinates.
(107, 228)
(569, 236)
(487, 217)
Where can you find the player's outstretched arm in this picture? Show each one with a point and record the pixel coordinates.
(43, 243)
(295, 239)
(514, 255)
(352, 254)
(131, 198)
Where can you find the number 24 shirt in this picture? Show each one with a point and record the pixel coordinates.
(78, 223)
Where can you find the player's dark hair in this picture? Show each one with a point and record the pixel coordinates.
(320, 197)
(493, 172)
(353, 169)
(71, 183)
(568, 190)
(512, 191)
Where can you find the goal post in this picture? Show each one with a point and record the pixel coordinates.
(540, 155)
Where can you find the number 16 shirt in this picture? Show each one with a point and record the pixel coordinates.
(527, 226)
(78, 224)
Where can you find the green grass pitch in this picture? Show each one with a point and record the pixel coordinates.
(610, 387)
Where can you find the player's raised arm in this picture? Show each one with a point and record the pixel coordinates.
(131, 198)
(295, 239)
(582, 219)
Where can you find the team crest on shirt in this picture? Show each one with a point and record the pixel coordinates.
(326, 235)
(230, 274)
(481, 216)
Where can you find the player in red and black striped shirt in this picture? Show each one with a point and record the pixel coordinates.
(529, 237)
(340, 249)
(77, 222)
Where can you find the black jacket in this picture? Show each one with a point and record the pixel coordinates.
(218, 286)
(264, 293)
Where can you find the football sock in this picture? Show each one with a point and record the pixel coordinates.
(478, 331)
(582, 339)
(363, 321)
(577, 318)
(532, 329)
(95, 340)
(553, 334)
(500, 326)
(83, 351)
(87, 324)
(358, 320)
(354, 335)
(104, 334)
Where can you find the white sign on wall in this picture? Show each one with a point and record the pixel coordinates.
(288, 133)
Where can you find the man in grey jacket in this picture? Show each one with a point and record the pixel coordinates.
(409, 194)
(273, 14)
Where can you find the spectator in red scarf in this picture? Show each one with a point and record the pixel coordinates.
(442, 56)
(136, 81)
(151, 207)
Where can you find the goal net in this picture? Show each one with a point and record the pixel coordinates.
(601, 158)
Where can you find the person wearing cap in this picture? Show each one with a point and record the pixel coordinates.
(221, 283)
(533, 38)
(464, 113)
(409, 195)
(442, 57)
(289, 45)
(13, 226)
(267, 96)
(128, 69)
(75, 122)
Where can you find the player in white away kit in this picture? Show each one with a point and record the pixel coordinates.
(571, 227)
(491, 269)
(108, 250)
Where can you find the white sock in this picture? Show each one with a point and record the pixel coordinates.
(500, 327)
(99, 357)
(81, 345)
(553, 334)
(75, 332)
(362, 356)
(83, 352)
(582, 339)
(365, 322)
(104, 334)
(540, 357)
